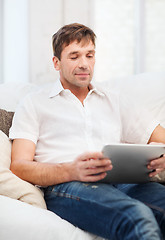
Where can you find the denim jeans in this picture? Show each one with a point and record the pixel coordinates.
(112, 211)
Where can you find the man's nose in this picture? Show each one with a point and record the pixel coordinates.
(83, 63)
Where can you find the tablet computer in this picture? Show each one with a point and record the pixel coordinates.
(130, 162)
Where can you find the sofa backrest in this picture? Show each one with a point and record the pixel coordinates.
(146, 90)
(12, 92)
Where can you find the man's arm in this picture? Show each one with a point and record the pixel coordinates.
(83, 168)
(158, 135)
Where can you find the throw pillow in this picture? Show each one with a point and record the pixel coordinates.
(5, 121)
(12, 186)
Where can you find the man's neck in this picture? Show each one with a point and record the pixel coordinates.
(79, 92)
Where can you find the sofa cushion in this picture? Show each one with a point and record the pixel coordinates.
(5, 121)
(12, 186)
(12, 92)
(20, 221)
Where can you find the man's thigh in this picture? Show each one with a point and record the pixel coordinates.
(96, 207)
(100, 193)
(149, 193)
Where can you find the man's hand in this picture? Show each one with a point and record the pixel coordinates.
(157, 165)
(91, 167)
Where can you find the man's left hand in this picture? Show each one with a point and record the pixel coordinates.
(157, 165)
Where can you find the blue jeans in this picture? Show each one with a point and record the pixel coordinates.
(118, 211)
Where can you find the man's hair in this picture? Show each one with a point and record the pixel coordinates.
(70, 33)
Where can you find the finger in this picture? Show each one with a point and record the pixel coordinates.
(157, 163)
(95, 178)
(98, 163)
(90, 155)
(157, 171)
(98, 170)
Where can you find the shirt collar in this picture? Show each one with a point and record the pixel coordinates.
(58, 88)
(94, 88)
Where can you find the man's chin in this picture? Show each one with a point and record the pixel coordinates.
(84, 80)
(83, 83)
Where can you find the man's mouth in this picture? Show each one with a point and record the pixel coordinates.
(82, 74)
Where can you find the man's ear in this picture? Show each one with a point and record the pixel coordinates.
(56, 63)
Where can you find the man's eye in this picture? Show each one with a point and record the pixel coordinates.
(90, 56)
(73, 58)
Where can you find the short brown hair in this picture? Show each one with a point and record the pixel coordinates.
(70, 33)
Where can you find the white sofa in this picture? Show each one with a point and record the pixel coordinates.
(23, 213)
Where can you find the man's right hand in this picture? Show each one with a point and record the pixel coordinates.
(91, 167)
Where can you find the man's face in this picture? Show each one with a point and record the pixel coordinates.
(76, 65)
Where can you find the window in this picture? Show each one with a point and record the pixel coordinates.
(1, 41)
(14, 40)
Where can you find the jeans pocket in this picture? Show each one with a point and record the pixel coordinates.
(47, 190)
(55, 189)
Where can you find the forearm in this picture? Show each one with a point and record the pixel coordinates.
(43, 174)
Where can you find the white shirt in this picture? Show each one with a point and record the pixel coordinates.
(62, 128)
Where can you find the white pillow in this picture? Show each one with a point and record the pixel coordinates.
(12, 186)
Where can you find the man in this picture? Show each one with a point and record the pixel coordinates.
(58, 136)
